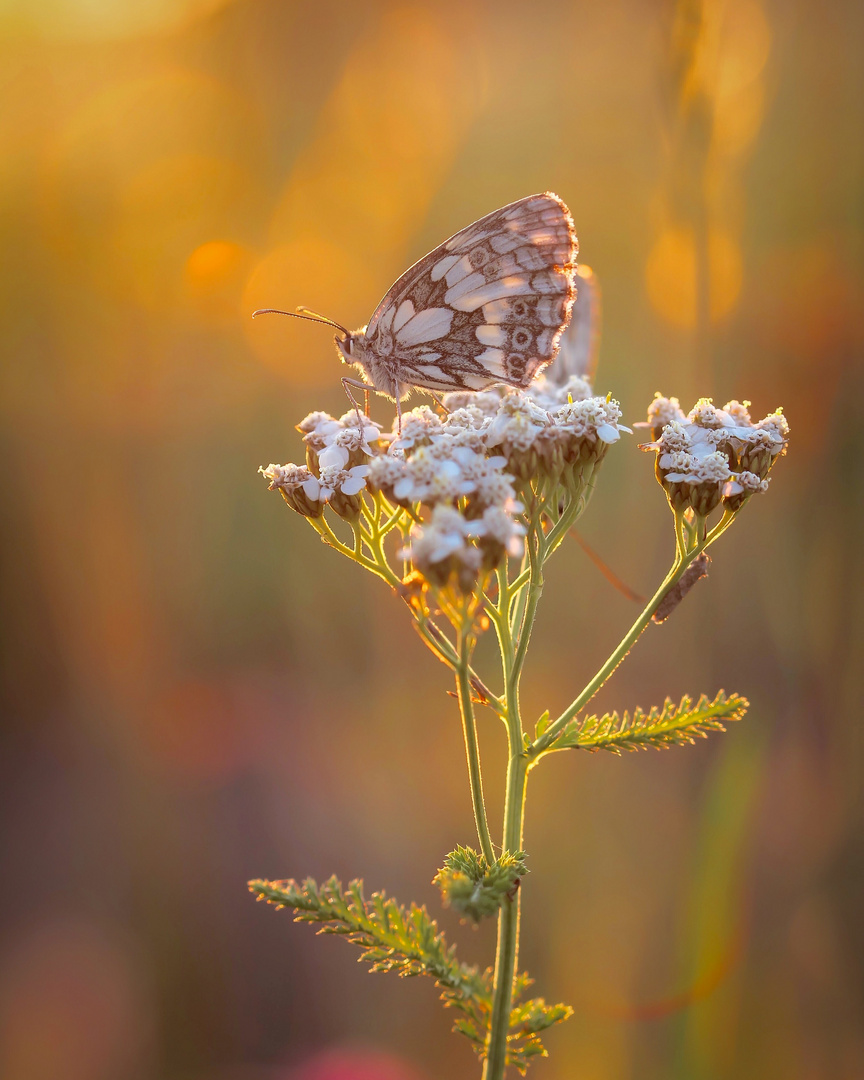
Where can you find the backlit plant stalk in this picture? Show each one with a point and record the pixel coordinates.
(459, 514)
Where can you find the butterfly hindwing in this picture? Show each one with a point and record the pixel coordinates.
(580, 342)
(489, 305)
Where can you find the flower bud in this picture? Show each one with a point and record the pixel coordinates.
(441, 550)
(298, 487)
(739, 489)
(341, 489)
(714, 454)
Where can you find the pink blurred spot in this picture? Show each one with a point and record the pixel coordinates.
(74, 1004)
(354, 1064)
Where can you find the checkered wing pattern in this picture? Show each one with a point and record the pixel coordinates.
(487, 306)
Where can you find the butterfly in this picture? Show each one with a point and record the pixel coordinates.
(580, 343)
(487, 306)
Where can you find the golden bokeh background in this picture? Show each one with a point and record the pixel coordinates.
(196, 692)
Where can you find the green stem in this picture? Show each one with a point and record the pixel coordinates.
(721, 526)
(515, 610)
(507, 950)
(626, 644)
(322, 527)
(472, 750)
(580, 494)
(680, 542)
(508, 921)
(529, 611)
(442, 647)
(503, 627)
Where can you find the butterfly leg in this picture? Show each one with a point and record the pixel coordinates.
(438, 402)
(346, 386)
(398, 410)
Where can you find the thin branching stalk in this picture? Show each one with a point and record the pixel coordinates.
(507, 950)
(624, 647)
(451, 543)
(472, 750)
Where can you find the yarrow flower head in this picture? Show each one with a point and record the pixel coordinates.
(463, 479)
(343, 442)
(419, 427)
(298, 487)
(549, 393)
(308, 494)
(341, 488)
(663, 411)
(713, 456)
(442, 551)
(543, 441)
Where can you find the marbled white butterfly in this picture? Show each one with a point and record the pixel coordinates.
(580, 342)
(487, 306)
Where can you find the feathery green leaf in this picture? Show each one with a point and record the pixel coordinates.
(671, 725)
(408, 941)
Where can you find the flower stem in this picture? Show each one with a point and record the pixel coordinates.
(508, 921)
(626, 644)
(528, 614)
(507, 950)
(472, 751)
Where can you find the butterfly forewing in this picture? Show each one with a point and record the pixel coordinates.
(489, 305)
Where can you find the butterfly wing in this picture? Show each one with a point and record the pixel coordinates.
(487, 306)
(580, 342)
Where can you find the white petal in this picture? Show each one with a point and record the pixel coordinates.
(608, 433)
(312, 489)
(333, 455)
(353, 484)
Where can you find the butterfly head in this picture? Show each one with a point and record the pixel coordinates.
(347, 347)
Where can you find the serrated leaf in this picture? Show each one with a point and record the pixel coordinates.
(526, 1021)
(408, 941)
(671, 725)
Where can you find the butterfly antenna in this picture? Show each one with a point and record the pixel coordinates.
(301, 313)
(310, 314)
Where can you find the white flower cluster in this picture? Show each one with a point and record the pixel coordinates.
(337, 455)
(543, 432)
(461, 475)
(344, 442)
(713, 454)
(442, 547)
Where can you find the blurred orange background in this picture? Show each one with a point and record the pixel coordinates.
(196, 692)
